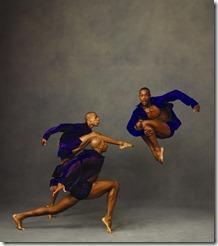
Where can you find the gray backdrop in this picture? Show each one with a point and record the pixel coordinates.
(60, 59)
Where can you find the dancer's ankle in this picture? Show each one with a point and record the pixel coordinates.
(108, 217)
(157, 148)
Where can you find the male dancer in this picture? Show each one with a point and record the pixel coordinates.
(86, 186)
(154, 118)
(69, 140)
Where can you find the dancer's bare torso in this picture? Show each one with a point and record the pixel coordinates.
(153, 112)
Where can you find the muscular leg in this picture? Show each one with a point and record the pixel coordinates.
(151, 140)
(154, 128)
(161, 128)
(62, 205)
(99, 188)
(148, 142)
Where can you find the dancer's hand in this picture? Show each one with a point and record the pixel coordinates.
(43, 141)
(148, 132)
(59, 187)
(139, 125)
(196, 108)
(124, 145)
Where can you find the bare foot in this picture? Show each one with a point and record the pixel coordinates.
(158, 155)
(107, 223)
(154, 153)
(17, 222)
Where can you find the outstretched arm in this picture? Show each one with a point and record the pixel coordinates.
(178, 95)
(122, 144)
(86, 139)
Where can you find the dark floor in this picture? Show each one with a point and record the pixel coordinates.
(141, 222)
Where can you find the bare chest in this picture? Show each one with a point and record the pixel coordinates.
(153, 112)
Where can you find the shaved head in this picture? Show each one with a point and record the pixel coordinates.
(90, 115)
(99, 144)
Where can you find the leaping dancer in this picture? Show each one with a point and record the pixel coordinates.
(154, 118)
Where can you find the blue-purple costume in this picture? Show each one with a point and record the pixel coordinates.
(75, 173)
(161, 102)
(69, 139)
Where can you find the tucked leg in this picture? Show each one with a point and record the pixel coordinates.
(152, 129)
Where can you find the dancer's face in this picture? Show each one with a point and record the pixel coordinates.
(94, 120)
(144, 97)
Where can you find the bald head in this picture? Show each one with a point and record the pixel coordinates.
(99, 144)
(92, 119)
(90, 115)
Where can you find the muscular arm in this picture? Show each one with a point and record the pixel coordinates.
(108, 139)
(85, 140)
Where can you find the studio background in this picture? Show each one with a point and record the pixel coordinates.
(61, 59)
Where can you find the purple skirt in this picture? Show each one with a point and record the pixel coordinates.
(75, 173)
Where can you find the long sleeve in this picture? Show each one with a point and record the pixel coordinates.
(131, 126)
(59, 128)
(178, 95)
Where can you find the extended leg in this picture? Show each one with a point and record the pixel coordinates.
(62, 205)
(99, 188)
